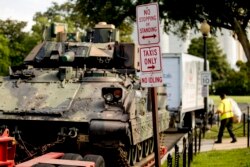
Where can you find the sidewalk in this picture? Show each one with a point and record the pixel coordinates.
(209, 145)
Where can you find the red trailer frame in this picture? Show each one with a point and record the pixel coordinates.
(53, 158)
(7, 149)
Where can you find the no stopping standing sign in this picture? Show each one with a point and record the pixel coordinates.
(148, 24)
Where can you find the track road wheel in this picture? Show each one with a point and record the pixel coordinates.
(97, 159)
(139, 151)
(132, 155)
(151, 145)
(145, 146)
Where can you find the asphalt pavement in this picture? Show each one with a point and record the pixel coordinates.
(209, 145)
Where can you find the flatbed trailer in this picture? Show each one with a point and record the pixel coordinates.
(54, 158)
(8, 146)
(8, 149)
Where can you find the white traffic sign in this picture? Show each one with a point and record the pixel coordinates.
(151, 79)
(150, 58)
(147, 18)
(204, 91)
(206, 78)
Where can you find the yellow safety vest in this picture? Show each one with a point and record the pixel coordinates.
(225, 108)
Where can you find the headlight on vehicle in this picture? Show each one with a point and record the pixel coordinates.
(112, 95)
(108, 97)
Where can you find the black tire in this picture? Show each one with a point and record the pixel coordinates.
(139, 148)
(97, 159)
(151, 145)
(132, 155)
(72, 156)
(43, 165)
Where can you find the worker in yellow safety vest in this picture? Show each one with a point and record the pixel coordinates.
(226, 118)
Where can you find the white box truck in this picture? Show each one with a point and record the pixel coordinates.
(182, 77)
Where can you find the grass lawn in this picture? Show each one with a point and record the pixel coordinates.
(231, 158)
(222, 158)
(238, 99)
(237, 129)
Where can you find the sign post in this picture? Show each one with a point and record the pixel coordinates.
(147, 17)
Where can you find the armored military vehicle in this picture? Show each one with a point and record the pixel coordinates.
(80, 95)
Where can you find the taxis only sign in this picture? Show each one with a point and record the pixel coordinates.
(151, 66)
(150, 59)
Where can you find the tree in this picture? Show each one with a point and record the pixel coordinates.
(111, 11)
(218, 64)
(56, 13)
(12, 30)
(4, 55)
(120, 13)
(223, 77)
(229, 14)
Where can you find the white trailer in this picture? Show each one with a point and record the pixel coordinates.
(182, 77)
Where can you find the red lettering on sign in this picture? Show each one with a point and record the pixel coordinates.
(150, 61)
(144, 80)
(155, 80)
(147, 12)
(152, 52)
(148, 18)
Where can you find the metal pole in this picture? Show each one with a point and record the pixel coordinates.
(200, 139)
(155, 127)
(195, 140)
(248, 127)
(244, 122)
(184, 152)
(205, 69)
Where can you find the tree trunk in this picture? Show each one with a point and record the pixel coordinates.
(242, 37)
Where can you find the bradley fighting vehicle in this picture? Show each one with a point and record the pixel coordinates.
(80, 96)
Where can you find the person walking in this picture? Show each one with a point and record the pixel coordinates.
(226, 118)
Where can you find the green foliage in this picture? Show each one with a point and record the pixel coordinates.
(232, 15)
(114, 12)
(77, 19)
(224, 79)
(237, 82)
(126, 29)
(217, 60)
(238, 99)
(118, 13)
(4, 55)
(17, 40)
(56, 13)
